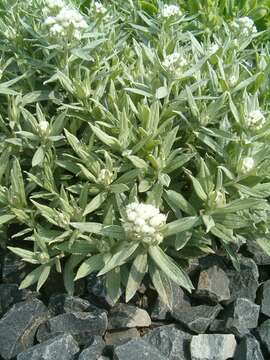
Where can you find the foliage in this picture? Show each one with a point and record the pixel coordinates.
(91, 124)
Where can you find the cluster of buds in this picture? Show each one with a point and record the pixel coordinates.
(64, 20)
(255, 120)
(170, 10)
(175, 62)
(99, 8)
(105, 177)
(44, 127)
(247, 165)
(243, 27)
(217, 199)
(143, 223)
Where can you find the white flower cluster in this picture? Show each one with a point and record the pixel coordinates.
(255, 120)
(143, 223)
(170, 10)
(244, 26)
(43, 126)
(63, 20)
(105, 177)
(99, 8)
(248, 164)
(175, 62)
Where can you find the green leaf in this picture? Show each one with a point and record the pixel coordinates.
(264, 243)
(237, 205)
(32, 277)
(68, 273)
(180, 225)
(179, 201)
(24, 254)
(139, 92)
(197, 187)
(92, 264)
(119, 258)
(106, 139)
(6, 218)
(168, 266)
(136, 275)
(38, 156)
(43, 276)
(95, 203)
(114, 231)
(113, 284)
(89, 227)
(161, 283)
(138, 162)
(162, 92)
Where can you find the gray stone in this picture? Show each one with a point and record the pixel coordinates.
(212, 347)
(128, 316)
(248, 349)
(14, 269)
(137, 349)
(62, 347)
(172, 342)
(81, 325)
(197, 318)
(118, 337)
(18, 327)
(244, 283)
(242, 316)
(259, 256)
(178, 299)
(218, 326)
(97, 291)
(94, 351)
(64, 303)
(264, 335)
(213, 285)
(265, 301)
(10, 294)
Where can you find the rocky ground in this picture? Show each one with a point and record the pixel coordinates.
(227, 317)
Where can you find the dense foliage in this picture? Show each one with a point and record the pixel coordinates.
(134, 136)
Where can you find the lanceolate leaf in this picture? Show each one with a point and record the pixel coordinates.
(92, 264)
(180, 225)
(161, 283)
(237, 205)
(169, 267)
(136, 275)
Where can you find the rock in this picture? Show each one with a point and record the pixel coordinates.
(173, 343)
(211, 260)
(94, 351)
(265, 301)
(119, 337)
(213, 285)
(97, 291)
(179, 299)
(212, 347)
(244, 283)
(259, 256)
(264, 335)
(128, 316)
(218, 326)
(64, 303)
(18, 327)
(62, 347)
(10, 294)
(197, 318)
(14, 269)
(137, 349)
(242, 316)
(81, 325)
(248, 349)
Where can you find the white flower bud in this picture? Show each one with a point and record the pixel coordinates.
(43, 125)
(170, 10)
(158, 220)
(255, 120)
(248, 164)
(243, 27)
(99, 8)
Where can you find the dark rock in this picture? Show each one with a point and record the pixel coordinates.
(173, 343)
(64, 303)
(213, 285)
(10, 294)
(128, 316)
(119, 337)
(248, 349)
(62, 347)
(81, 325)
(137, 349)
(265, 301)
(259, 256)
(212, 347)
(244, 283)
(208, 261)
(18, 327)
(178, 299)
(97, 291)
(264, 335)
(14, 269)
(242, 316)
(218, 326)
(94, 351)
(197, 318)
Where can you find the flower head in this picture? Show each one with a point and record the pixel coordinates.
(43, 126)
(143, 223)
(175, 62)
(170, 10)
(247, 165)
(255, 120)
(99, 8)
(243, 27)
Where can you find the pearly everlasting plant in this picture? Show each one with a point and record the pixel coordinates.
(134, 142)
